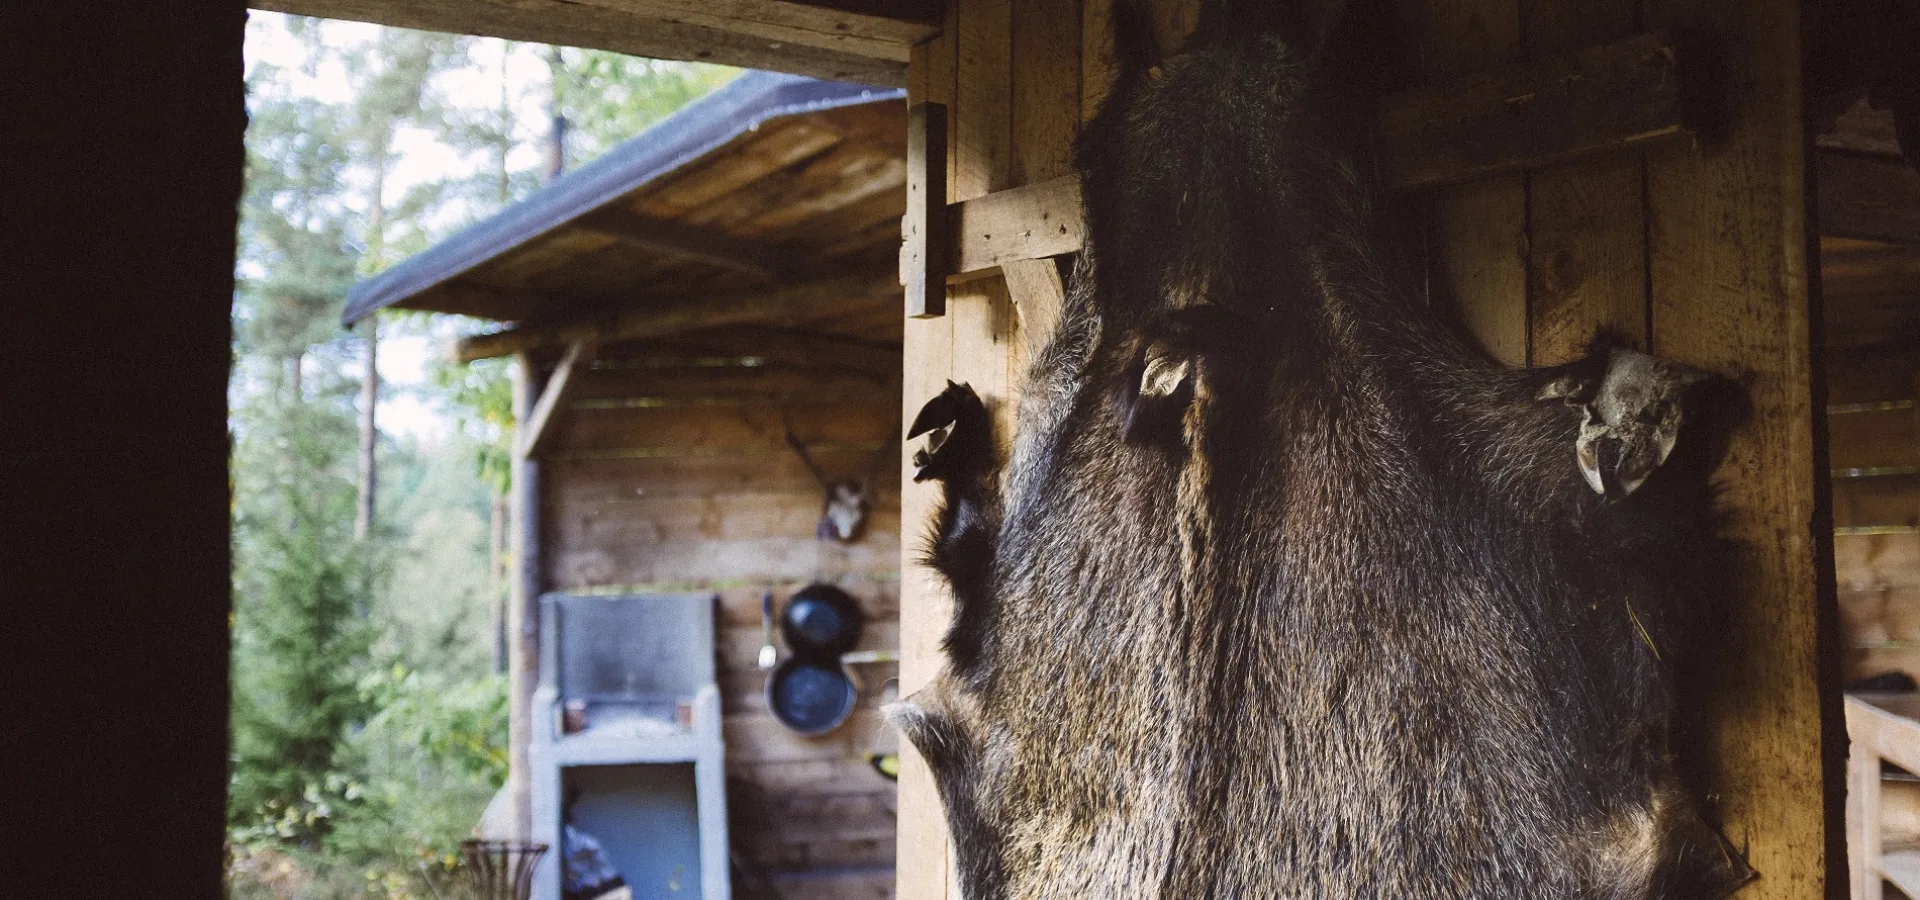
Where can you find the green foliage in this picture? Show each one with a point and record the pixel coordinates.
(438, 604)
(368, 732)
(294, 262)
(301, 586)
(480, 394)
(431, 729)
(610, 97)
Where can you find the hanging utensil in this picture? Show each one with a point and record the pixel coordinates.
(768, 653)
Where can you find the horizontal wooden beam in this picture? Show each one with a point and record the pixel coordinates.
(1600, 99)
(876, 29)
(1031, 222)
(838, 41)
(658, 317)
(538, 430)
(784, 347)
(762, 261)
(1616, 96)
(1866, 196)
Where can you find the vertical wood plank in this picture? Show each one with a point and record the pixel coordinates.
(1477, 243)
(942, 55)
(523, 650)
(1038, 294)
(1097, 60)
(985, 332)
(925, 609)
(983, 104)
(1730, 293)
(1586, 267)
(921, 841)
(924, 258)
(1586, 223)
(1477, 247)
(1863, 821)
(1046, 89)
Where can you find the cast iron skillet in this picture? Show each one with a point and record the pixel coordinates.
(810, 692)
(821, 621)
(810, 696)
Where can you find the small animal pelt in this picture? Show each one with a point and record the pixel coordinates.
(1285, 589)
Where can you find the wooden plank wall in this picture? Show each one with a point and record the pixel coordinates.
(1694, 252)
(1875, 439)
(664, 477)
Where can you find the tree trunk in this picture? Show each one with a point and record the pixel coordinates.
(376, 244)
(369, 432)
(557, 135)
(505, 149)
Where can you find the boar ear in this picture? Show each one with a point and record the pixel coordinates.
(1155, 393)
(926, 720)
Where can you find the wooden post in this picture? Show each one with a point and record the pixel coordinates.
(921, 859)
(1863, 821)
(923, 261)
(1727, 260)
(523, 602)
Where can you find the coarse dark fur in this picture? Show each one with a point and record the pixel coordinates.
(1286, 590)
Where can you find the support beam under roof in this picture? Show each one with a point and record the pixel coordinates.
(861, 41)
(665, 316)
(761, 261)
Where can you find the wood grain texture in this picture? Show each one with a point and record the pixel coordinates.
(1586, 257)
(535, 434)
(1863, 810)
(1046, 90)
(1038, 294)
(1032, 221)
(721, 503)
(983, 103)
(749, 42)
(1876, 438)
(1477, 238)
(925, 257)
(1098, 63)
(656, 317)
(1883, 501)
(1729, 293)
(1568, 104)
(1868, 196)
(1586, 221)
(1478, 245)
(925, 607)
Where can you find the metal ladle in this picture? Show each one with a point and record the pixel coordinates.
(769, 655)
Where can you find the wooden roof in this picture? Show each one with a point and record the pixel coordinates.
(862, 41)
(769, 185)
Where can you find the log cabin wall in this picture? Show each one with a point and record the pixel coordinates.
(1695, 251)
(671, 472)
(1875, 439)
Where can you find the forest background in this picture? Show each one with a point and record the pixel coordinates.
(369, 712)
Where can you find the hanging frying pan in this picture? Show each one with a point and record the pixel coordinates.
(821, 621)
(810, 694)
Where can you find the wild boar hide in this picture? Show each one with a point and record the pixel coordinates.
(1285, 589)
